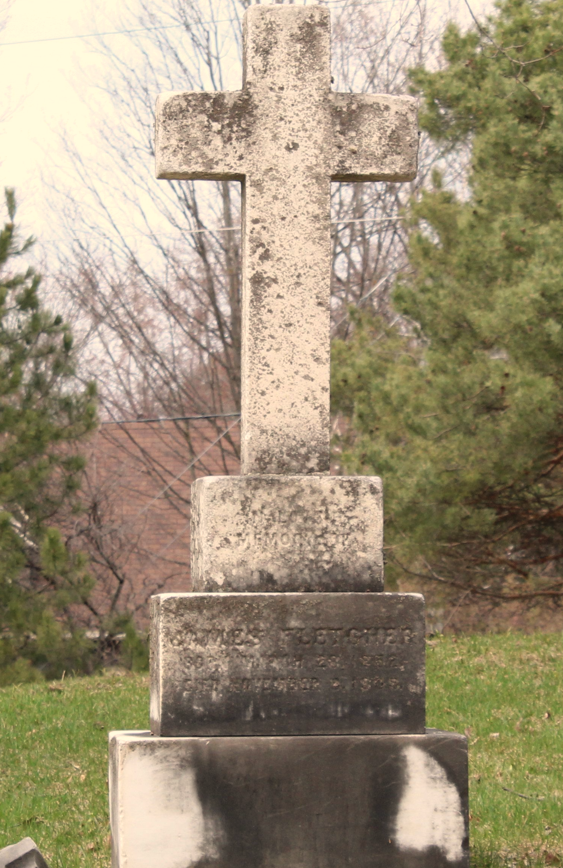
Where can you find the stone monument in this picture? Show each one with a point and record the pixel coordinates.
(287, 690)
(24, 854)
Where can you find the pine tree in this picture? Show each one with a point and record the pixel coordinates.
(44, 412)
(463, 418)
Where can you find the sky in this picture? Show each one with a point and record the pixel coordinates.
(37, 81)
(44, 89)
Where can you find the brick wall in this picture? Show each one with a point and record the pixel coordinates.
(136, 493)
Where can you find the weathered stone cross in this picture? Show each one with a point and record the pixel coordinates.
(285, 135)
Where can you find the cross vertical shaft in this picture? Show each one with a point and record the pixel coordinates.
(286, 254)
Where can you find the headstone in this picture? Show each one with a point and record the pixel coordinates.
(24, 854)
(282, 664)
(287, 691)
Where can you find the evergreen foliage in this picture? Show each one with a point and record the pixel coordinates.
(463, 418)
(44, 412)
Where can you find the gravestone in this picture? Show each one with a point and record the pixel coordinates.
(287, 691)
(24, 854)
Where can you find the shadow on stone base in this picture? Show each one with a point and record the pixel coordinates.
(382, 801)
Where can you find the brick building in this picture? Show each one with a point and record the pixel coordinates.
(136, 520)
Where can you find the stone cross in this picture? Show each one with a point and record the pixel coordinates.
(287, 701)
(286, 136)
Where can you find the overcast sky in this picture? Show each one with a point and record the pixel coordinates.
(36, 83)
(41, 91)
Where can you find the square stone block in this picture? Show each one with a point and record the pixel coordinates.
(383, 801)
(287, 533)
(287, 664)
(24, 854)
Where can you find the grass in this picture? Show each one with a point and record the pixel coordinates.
(504, 691)
(53, 763)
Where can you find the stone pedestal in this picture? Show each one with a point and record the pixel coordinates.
(382, 801)
(279, 664)
(287, 533)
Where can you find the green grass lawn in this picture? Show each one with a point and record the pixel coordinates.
(505, 692)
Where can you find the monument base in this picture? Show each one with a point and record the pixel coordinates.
(287, 533)
(287, 664)
(377, 801)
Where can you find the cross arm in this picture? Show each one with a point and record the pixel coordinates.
(202, 136)
(375, 137)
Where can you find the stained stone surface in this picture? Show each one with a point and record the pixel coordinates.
(383, 801)
(285, 135)
(287, 533)
(250, 664)
(24, 854)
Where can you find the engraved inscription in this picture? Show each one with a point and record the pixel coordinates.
(310, 635)
(335, 662)
(285, 684)
(289, 663)
(274, 529)
(351, 635)
(310, 657)
(270, 540)
(238, 637)
(263, 684)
